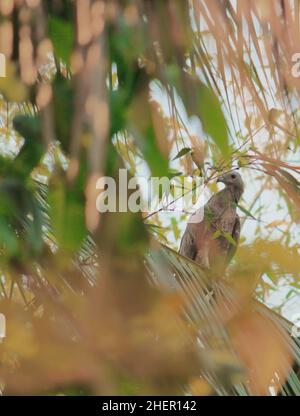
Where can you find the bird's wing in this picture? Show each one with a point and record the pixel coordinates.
(188, 244)
(236, 237)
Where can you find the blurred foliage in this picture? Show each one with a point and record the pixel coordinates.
(95, 86)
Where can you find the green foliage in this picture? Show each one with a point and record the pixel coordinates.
(246, 211)
(63, 104)
(67, 215)
(20, 220)
(157, 163)
(61, 33)
(212, 117)
(32, 150)
(182, 152)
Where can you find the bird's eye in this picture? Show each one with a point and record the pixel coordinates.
(233, 176)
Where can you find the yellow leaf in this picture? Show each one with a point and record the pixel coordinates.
(276, 223)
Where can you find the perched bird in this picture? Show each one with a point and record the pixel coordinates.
(212, 241)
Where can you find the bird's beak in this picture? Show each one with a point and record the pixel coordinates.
(220, 179)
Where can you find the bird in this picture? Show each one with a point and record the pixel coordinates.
(212, 239)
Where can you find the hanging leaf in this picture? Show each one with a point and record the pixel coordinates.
(182, 152)
(62, 35)
(245, 211)
(212, 117)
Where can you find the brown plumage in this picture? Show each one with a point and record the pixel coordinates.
(212, 241)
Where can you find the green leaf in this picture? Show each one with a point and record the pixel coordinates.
(32, 150)
(157, 163)
(212, 117)
(229, 238)
(8, 238)
(182, 152)
(62, 35)
(173, 173)
(245, 211)
(67, 216)
(199, 99)
(216, 234)
(289, 294)
(63, 109)
(154, 226)
(175, 228)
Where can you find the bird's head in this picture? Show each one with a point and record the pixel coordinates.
(234, 182)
